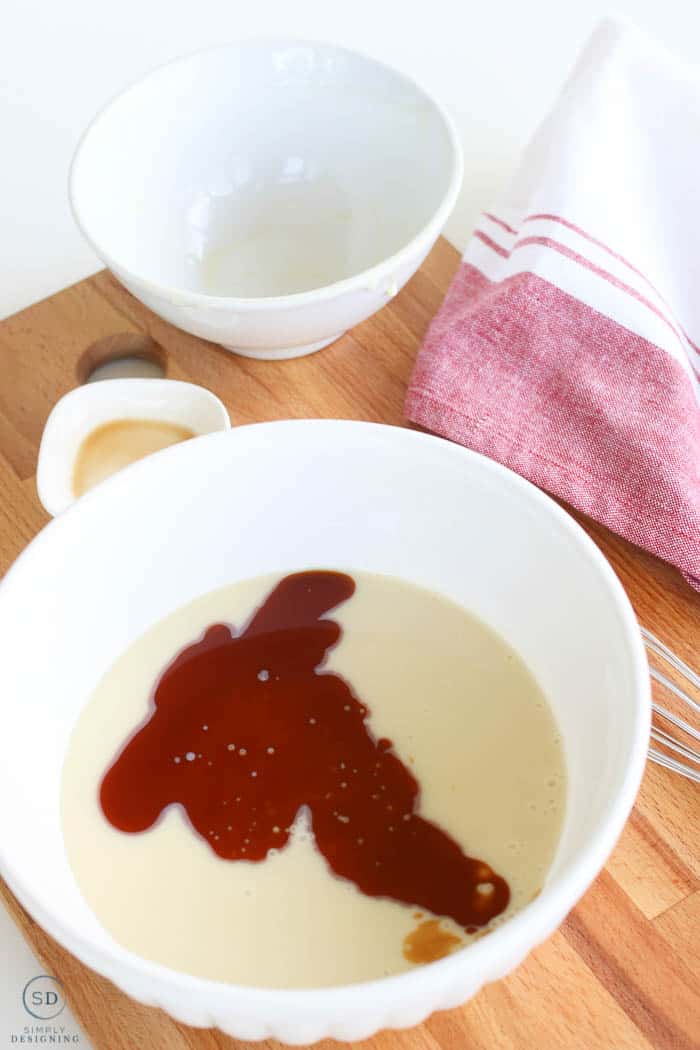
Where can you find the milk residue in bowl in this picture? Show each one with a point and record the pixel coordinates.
(312, 781)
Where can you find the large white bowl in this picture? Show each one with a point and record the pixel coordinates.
(291, 495)
(267, 195)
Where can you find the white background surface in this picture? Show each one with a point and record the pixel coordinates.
(496, 66)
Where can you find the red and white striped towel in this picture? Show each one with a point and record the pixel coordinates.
(568, 344)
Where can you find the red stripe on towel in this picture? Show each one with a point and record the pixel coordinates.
(569, 253)
(549, 217)
(499, 222)
(582, 260)
(484, 237)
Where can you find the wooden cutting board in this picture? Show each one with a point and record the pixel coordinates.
(623, 969)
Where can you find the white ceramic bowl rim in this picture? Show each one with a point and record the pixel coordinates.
(365, 277)
(556, 897)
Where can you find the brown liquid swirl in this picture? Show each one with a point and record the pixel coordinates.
(247, 729)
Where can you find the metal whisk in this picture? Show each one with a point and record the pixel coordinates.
(664, 745)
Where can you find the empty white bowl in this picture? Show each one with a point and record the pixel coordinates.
(267, 195)
(278, 497)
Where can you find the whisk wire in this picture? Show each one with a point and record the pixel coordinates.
(690, 768)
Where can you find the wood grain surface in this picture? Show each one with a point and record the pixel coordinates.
(622, 971)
